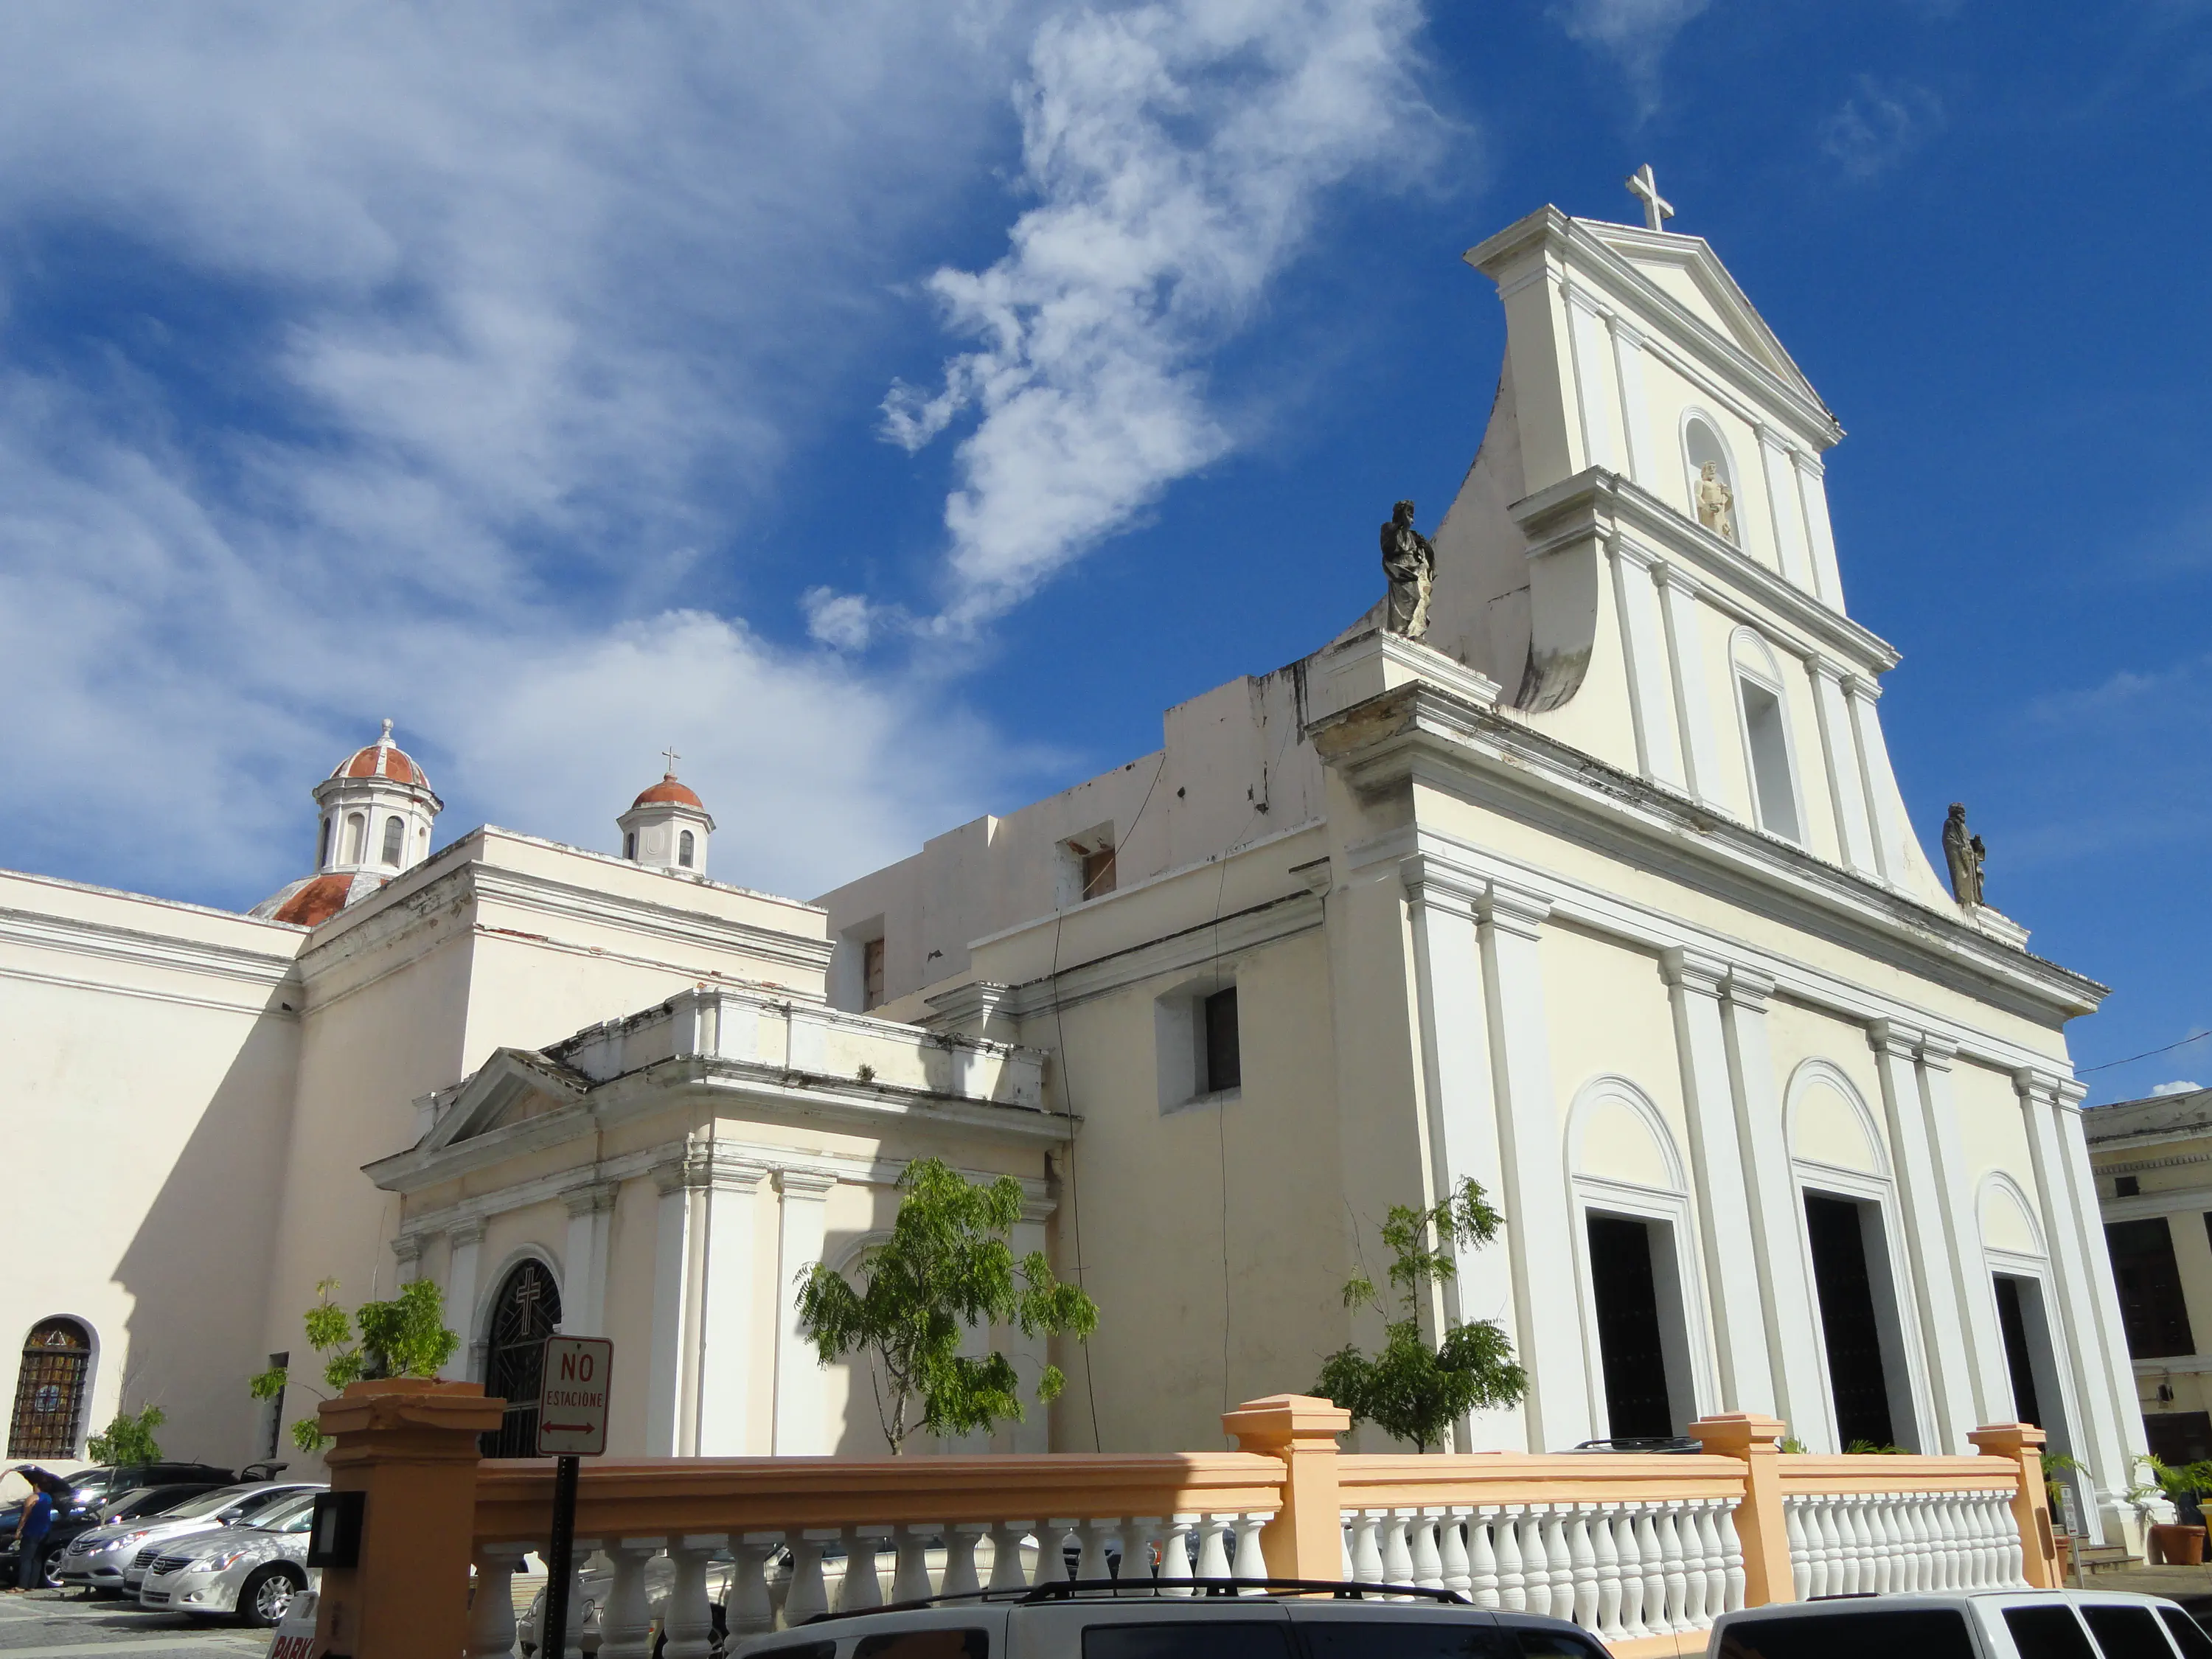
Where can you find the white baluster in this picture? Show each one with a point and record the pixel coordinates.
(1904, 1573)
(1800, 1547)
(1626, 1540)
(1876, 1573)
(1560, 1563)
(809, 1595)
(626, 1617)
(1251, 1560)
(687, 1627)
(1175, 1554)
(1978, 1531)
(1397, 1559)
(2014, 1561)
(1482, 1559)
(1344, 1545)
(1693, 1565)
(1451, 1554)
(1421, 1542)
(1536, 1564)
(491, 1609)
(1582, 1563)
(1092, 1565)
(910, 1562)
(1829, 1574)
(1710, 1513)
(1605, 1557)
(1946, 1542)
(1655, 1573)
(1676, 1577)
(1851, 1515)
(960, 1541)
(1214, 1551)
(864, 1585)
(1007, 1572)
(1731, 1558)
(1512, 1580)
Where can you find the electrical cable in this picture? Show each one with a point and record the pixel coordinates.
(2106, 1066)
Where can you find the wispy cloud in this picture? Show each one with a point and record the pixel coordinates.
(1635, 33)
(1880, 125)
(1178, 154)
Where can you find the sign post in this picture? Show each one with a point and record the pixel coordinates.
(572, 1423)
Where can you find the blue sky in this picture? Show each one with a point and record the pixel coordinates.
(895, 407)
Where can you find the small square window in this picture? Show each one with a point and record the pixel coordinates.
(1224, 1062)
(2126, 1186)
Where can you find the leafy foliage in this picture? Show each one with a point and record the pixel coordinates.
(403, 1337)
(128, 1439)
(946, 1266)
(1411, 1390)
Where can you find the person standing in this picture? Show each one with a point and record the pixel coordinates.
(35, 1520)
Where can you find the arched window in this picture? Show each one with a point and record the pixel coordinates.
(49, 1390)
(1763, 709)
(685, 846)
(630, 843)
(356, 837)
(527, 1312)
(1714, 499)
(395, 839)
(323, 852)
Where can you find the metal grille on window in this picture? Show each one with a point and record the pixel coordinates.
(527, 1312)
(49, 1390)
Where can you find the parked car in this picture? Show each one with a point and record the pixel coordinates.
(1147, 1618)
(2062, 1624)
(143, 1500)
(248, 1571)
(97, 1484)
(105, 1558)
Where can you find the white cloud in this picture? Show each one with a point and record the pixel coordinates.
(1880, 125)
(1635, 33)
(496, 324)
(2177, 1087)
(1178, 153)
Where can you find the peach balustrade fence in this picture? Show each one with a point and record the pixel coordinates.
(1645, 1551)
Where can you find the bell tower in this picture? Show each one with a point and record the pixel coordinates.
(667, 826)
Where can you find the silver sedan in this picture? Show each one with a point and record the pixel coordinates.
(251, 1572)
(105, 1558)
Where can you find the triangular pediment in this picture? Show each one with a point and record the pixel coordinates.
(1686, 271)
(512, 1086)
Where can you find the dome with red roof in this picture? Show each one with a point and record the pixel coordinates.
(382, 759)
(666, 826)
(668, 790)
(375, 813)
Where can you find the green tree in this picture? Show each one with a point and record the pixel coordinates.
(946, 1266)
(1414, 1391)
(129, 1439)
(403, 1337)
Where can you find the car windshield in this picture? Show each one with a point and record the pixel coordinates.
(125, 1504)
(297, 1506)
(207, 1503)
(1923, 1633)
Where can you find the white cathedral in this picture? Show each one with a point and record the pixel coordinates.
(1600, 891)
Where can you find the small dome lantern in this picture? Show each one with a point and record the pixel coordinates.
(667, 826)
(375, 811)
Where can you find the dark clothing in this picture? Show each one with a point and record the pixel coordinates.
(30, 1539)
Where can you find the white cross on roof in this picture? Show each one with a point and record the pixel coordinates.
(673, 758)
(1656, 207)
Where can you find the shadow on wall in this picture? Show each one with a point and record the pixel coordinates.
(197, 1270)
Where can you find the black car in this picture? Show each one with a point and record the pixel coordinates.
(75, 1518)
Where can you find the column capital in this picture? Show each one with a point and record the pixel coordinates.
(1440, 884)
(812, 1186)
(1936, 1051)
(1825, 668)
(1038, 1209)
(407, 1250)
(593, 1197)
(1809, 463)
(1517, 910)
(1770, 439)
(1624, 331)
(2036, 1086)
(1672, 576)
(1633, 552)
(468, 1230)
(1693, 971)
(1748, 989)
(1863, 687)
(1886, 1036)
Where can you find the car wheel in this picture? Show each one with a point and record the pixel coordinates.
(49, 1569)
(266, 1598)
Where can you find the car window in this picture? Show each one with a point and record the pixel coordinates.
(268, 1501)
(1191, 1639)
(1922, 1633)
(1406, 1639)
(945, 1644)
(2048, 1632)
(1540, 1644)
(206, 1504)
(125, 1504)
(2188, 1635)
(2126, 1633)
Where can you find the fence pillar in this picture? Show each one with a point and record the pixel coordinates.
(411, 1446)
(1760, 1524)
(2021, 1443)
(1306, 1538)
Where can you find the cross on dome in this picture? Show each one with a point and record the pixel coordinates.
(1656, 208)
(673, 758)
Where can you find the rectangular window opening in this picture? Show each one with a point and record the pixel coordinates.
(1097, 872)
(1858, 1320)
(1776, 800)
(2152, 1310)
(1224, 1059)
(871, 975)
(1632, 1344)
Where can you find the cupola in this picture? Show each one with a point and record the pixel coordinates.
(667, 826)
(374, 813)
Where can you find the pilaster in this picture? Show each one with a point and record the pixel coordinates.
(1839, 748)
(1030, 1354)
(1642, 635)
(1592, 352)
(463, 1260)
(1539, 1227)
(1819, 534)
(799, 1430)
(1644, 450)
(1729, 1240)
(407, 1252)
(1934, 1287)
(1787, 517)
(728, 1276)
(1678, 606)
(1962, 1230)
(591, 1225)
(1875, 782)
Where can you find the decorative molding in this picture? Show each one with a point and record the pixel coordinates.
(596, 1198)
(466, 1232)
(799, 1182)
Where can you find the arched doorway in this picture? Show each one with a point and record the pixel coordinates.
(528, 1311)
(49, 1390)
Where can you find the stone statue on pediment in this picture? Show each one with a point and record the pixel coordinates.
(1409, 563)
(1965, 854)
(1715, 502)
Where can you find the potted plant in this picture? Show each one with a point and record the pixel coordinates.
(2180, 1542)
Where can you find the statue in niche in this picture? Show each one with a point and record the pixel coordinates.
(1409, 563)
(1715, 502)
(1965, 854)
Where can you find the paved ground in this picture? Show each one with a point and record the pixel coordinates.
(61, 1624)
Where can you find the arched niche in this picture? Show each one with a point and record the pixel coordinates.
(1703, 445)
(53, 1388)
